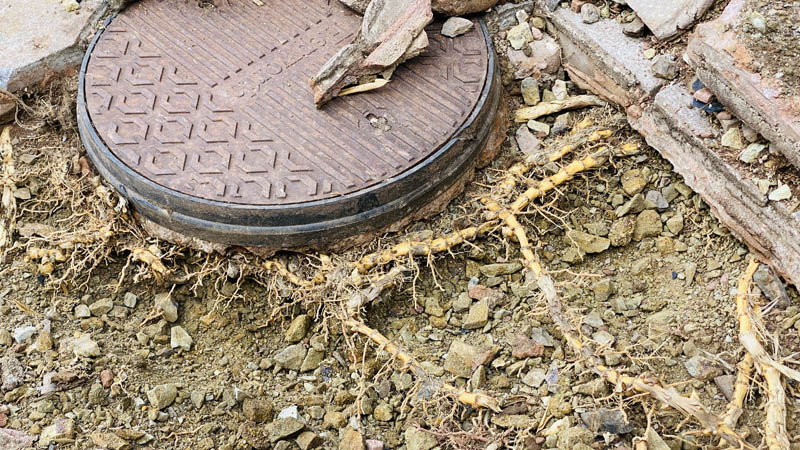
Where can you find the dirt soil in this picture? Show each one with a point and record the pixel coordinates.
(658, 301)
(774, 46)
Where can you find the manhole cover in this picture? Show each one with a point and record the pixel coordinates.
(203, 118)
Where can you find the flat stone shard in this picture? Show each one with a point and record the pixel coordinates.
(231, 150)
(721, 61)
(392, 32)
(39, 37)
(668, 18)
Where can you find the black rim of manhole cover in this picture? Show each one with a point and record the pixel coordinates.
(203, 119)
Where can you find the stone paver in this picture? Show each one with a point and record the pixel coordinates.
(40, 36)
(720, 60)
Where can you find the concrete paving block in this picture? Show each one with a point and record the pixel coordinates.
(40, 36)
(600, 58)
(668, 18)
(720, 60)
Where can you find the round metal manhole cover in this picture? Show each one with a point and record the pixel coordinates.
(203, 118)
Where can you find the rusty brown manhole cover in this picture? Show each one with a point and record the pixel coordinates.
(203, 118)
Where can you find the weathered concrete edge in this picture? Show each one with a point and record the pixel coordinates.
(666, 123)
(716, 69)
(767, 228)
(64, 60)
(595, 73)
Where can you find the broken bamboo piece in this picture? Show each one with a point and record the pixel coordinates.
(422, 248)
(520, 168)
(547, 108)
(775, 422)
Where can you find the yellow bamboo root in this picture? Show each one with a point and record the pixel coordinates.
(8, 204)
(474, 399)
(668, 396)
(421, 248)
(520, 168)
(736, 405)
(275, 266)
(775, 423)
(547, 108)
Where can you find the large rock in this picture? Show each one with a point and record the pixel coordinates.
(59, 431)
(417, 439)
(167, 308)
(459, 359)
(291, 357)
(162, 395)
(11, 373)
(588, 243)
(351, 440)
(544, 58)
(40, 36)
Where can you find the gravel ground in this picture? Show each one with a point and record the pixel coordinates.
(100, 350)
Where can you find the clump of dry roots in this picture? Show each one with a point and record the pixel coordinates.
(347, 287)
(507, 217)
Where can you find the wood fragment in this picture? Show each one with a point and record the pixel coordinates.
(547, 108)
(365, 87)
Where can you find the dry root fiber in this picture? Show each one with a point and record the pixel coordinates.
(775, 423)
(473, 399)
(669, 396)
(547, 108)
(8, 205)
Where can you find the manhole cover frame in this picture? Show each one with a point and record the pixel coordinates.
(331, 222)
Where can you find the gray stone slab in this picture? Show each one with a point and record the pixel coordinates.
(599, 57)
(668, 18)
(40, 36)
(758, 100)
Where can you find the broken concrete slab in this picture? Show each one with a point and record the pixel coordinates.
(41, 37)
(766, 227)
(721, 63)
(669, 18)
(612, 66)
(392, 31)
(601, 58)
